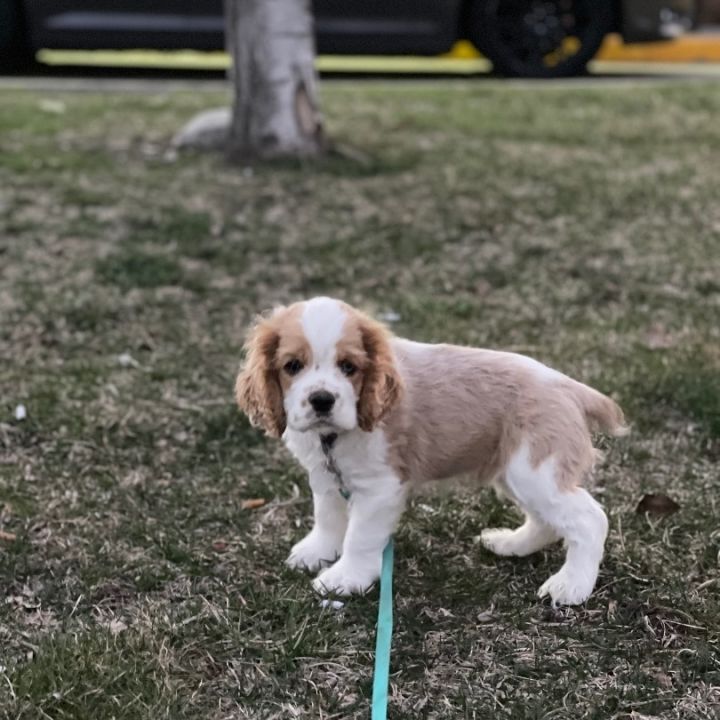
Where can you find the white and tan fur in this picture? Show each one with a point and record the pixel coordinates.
(405, 412)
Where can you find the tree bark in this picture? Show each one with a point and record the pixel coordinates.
(276, 112)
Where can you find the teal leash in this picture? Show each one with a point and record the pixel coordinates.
(383, 640)
(381, 676)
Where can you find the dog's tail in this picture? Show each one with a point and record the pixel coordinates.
(602, 412)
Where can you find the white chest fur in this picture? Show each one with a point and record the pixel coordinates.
(357, 456)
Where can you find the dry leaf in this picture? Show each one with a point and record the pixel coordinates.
(8, 536)
(657, 504)
(252, 503)
(219, 546)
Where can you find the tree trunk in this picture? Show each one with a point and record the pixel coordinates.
(275, 111)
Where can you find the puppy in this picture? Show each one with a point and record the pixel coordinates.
(369, 414)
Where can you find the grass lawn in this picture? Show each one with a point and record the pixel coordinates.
(579, 225)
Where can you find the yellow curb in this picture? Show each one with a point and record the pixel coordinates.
(403, 64)
(463, 59)
(180, 60)
(193, 60)
(615, 67)
(686, 49)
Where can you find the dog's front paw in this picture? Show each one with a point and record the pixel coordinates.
(314, 551)
(567, 587)
(347, 578)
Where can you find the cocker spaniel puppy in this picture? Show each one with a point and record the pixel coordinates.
(369, 414)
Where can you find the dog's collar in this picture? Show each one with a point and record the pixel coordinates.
(326, 443)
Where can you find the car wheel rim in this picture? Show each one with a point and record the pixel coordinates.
(544, 33)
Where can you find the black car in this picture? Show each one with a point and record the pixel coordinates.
(532, 38)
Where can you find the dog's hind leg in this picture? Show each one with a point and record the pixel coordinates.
(531, 536)
(572, 514)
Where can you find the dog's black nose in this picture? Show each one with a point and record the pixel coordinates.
(322, 401)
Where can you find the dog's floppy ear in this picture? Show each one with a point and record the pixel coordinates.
(257, 388)
(382, 385)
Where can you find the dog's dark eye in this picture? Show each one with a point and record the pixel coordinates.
(347, 368)
(293, 367)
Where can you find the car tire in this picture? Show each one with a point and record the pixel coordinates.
(15, 52)
(539, 38)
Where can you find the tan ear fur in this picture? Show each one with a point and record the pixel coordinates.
(382, 384)
(257, 388)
